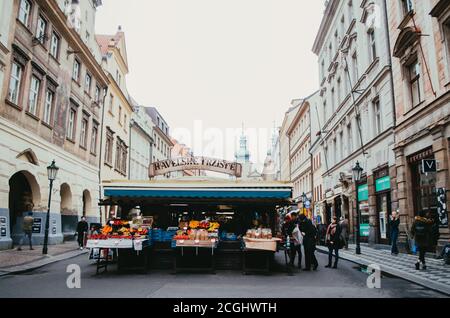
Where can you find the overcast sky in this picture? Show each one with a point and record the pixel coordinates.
(224, 62)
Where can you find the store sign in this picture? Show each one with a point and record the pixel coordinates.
(195, 163)
(442, 207)
(363, 192)
(36, 229)
(383, 184)
(429, 166)
(364, 230)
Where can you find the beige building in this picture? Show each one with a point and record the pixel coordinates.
(117, 111)
(420, 40)
(285, 162)
(299, 140)
(50, 108)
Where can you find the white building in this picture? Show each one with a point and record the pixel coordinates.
(141, 144)
(358, 109)
(48, 110)
(285, 162)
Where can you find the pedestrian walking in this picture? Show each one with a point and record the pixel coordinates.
(309, 232)
(421, 231)
(333, 242)
(394, 223)
(297, 241)
(344, 231)
(82, 228)
(27, 228)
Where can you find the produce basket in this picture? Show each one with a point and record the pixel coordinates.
(261, 244)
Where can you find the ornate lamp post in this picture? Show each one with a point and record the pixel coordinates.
(357, 173)
(52, 172)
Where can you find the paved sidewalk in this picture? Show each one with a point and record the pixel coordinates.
(436, 277)
(14, 261)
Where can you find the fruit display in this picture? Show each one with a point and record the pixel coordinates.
(197, 231)
(120, 229)
(260, 234)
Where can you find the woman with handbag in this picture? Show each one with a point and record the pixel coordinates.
(333, 240)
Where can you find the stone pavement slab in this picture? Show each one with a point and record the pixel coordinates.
(437, 275)
(14, 261)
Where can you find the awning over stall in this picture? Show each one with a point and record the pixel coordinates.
(197, 189)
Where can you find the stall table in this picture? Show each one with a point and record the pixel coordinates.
(261, 251)
(194, 249)
(131, 246)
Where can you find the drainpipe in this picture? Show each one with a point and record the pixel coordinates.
(388, 43)
(101, 153)
(129, 151)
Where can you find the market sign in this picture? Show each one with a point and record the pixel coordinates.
(195, 163)
(363, 192)
(429, 166)
(364, 230)
(383, 184)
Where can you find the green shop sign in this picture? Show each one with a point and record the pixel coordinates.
(383, 184)
(364, 230)
(363, 192)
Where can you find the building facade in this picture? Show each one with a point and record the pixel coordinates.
(420, 40)
(48, 110)
(299, 139)
(162, 147)
(141, 145)
(285, 162)
(356, 87)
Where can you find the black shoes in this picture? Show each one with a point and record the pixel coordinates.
(328, 266)
(335, 266)
(315, 267)
(417, 266)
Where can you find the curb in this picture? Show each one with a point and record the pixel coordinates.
(442, 288)
(25, 268)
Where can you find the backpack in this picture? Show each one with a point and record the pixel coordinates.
(420, 230)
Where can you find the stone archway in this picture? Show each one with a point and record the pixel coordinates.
(69, 217)
(24, 196)
(87, 203)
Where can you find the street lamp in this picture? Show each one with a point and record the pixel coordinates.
(357, 172)
(52, 172)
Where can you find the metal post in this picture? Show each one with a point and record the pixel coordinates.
(47, 223)
(358, 225)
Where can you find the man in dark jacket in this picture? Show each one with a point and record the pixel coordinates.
(82, 228)
(421, 231)
(309, 233)
(394, 223)
(334, 242)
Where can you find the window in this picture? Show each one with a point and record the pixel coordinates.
(322, 70)
(407, 6)
(34, 95)
(76, 71)
(372, 45)
(325, 110)
(350, 10)
(339, 88)
(87, 83)
(15, 82)
(350, 138)
(341, 145)
(335, 152)
(54, 45)
(84, 132)
(125, 121)
(41, 31)
(97, 95)
(111, 104)
(71, 124)
(333, 107)
(377, 115)
(355, 68)
(414, 82)
(120, 114)
(48, 107)
(446, 27)
(94, 138)
(109, 147)
(24, 12)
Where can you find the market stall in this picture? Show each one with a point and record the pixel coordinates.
(126, 242)
(203, 223)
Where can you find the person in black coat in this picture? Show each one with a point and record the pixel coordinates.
(309, 233)
(82, 228)
(394, 223)
(334, 242)
(421, 230)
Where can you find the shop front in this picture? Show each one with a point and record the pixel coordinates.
(363, 206)
(202, 223)
(383, 204)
